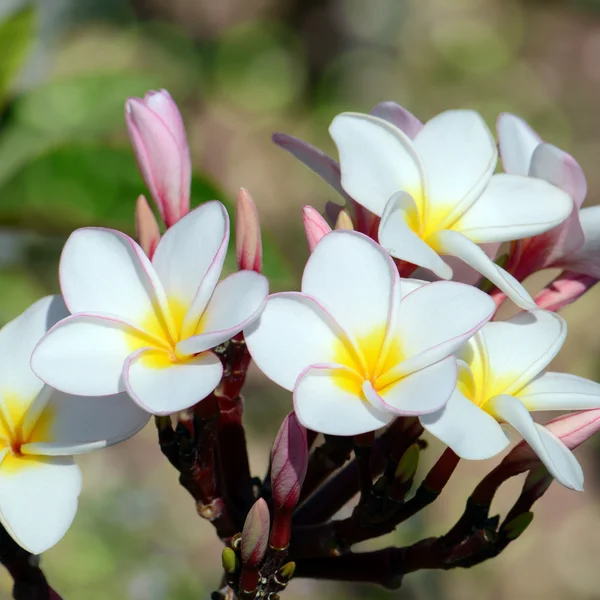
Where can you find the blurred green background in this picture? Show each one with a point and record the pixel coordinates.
(241, 69)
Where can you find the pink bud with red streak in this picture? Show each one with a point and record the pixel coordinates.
(289, 460)
(158, 136)
(255, 535)
(315, 226)
(146, 226)
(564, 290)
(248, 245)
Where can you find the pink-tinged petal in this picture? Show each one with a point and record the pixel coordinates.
(398, 238)
(517, 143)
(560, 391)
(423, 391)
(586, 260)
(235, 304)
(564, 290)
(84, 355)
(400, 117)
(352, 277)
(105, 272)
(520, 348)
(146, 227)
(557, 458)
(292, 333)
(470, 431)
(18, 338)
(38, 499)
(559, 168)
(322, 404)
(162, 157)
(315, 226)
(376, 160)
(459, 156)
(162, 387)
(78, 424)
(513, 207)
(316, 160)
(438, 318)
(456, 244)
(189, 259)
(248, 244)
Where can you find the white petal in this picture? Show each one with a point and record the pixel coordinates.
(456, 244)
(560, 391)
(520, 348)
(397, 237)
(436, 319)
(84, 355)
(400, 117)
(559, 168)
(77, 423)
(376, 159)
(161, 387)
(321, 404)
(557, 458)
(18, 338)
(587, 259)
(190, 251)
(517, 142)
(105, 272)
(459, 156)
(423, 391)
(38, 499)
(292, 333)
(352, 277)
(470, 431)
(316, 160)
(236, 302)
(514, 207)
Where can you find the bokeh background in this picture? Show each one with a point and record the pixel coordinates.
(241, 69)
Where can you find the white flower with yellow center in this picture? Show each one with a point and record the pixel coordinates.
(148, 327)
(359, 346)
(437, 195)
(501, 381)
(41, 428)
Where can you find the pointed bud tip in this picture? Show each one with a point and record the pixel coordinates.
(286, 572)
(255, 535)
(344, 221)
(315, 226)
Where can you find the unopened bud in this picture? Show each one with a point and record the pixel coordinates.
(344, 221)
(146, 227)
(255, 535)
(289, 461)
(407, 467)
(518, 525)
(315, 226)
(229, 560)
(248, 245)
(286, 572)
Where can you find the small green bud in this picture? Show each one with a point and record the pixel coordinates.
(229, 560)
(407, 467)
(286, 572)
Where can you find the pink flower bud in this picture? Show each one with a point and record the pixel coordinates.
(564, 290)
(248, 245)
(255, 535)
(289, 460)
(572, 430)
(158, 137)
(146, 227)
(315, 226)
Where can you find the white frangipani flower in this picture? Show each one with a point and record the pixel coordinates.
(40, 430)
(500, 380)
(437, 194)
(147, 327)
(359, 346)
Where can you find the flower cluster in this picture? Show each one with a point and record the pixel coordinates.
(392, 326)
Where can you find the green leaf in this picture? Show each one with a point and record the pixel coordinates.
(96, 185)
(16, 37)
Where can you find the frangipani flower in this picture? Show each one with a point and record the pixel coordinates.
(147, 327)
(40, 430)
(500, 380)
(437, 194)
(359, 346)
